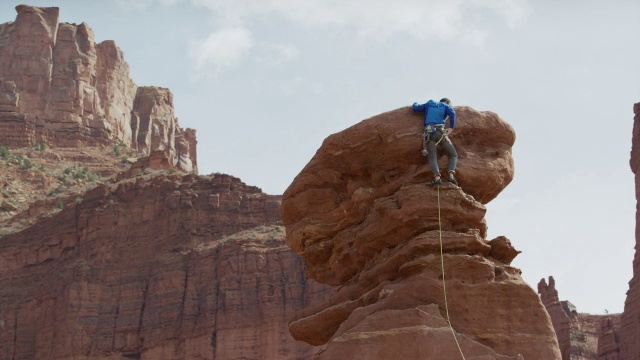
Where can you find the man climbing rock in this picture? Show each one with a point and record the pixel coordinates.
(435, 117)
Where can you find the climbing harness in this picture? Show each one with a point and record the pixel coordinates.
(444, 285)
(426, 136)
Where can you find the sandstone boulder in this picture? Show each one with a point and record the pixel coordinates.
(361, 215)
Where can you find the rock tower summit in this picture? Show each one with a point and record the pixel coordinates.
(361, 215)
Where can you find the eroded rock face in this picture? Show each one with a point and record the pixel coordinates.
(609, 338)
(155, 127)
(26, 54)
(580, 336)
(155, 267)
(361, 215)
(561, 314)
(58, 87)
(630, 330)
(116, 91)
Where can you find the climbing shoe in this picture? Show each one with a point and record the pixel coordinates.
(435, 182)
(453, 181)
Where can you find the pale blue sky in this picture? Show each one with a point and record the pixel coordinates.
(265, 81)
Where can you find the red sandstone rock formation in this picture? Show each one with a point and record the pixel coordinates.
(146, 265)
(155, 267)
(154, 127)
(58, 87)
(609, 340)
(630, 328)
(561, 312)
(361, 215)
(580, 336)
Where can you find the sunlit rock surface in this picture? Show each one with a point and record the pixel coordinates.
(361, 215)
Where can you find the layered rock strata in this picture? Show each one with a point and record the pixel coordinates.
(58, 87)
(630, 330)
(561, 312)
(609, 338)
(580, 336)
(154, 267)
(361, 215)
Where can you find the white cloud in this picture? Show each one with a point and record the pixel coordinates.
(169, 2)
(443, 19)
(514, 11)
(133, 4)
(143, 4)
(381, 19)
(475, 38)
(297, 84)
(221, 49)
(378, 19)
(276, 54)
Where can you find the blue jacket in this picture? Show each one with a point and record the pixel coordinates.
(436, 113)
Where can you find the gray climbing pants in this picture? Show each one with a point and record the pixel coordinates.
(433, 156)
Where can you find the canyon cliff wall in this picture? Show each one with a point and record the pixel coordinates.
(581, 336)
(630, 330)
(58, 87)
(362, 216)
(112, 254)
(155, 267)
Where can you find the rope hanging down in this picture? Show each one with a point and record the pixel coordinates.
(444, 285)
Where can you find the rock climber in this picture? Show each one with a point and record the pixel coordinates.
(435, 117)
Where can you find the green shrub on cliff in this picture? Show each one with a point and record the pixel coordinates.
(4, 152)
(64, 179)
(26, 164)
